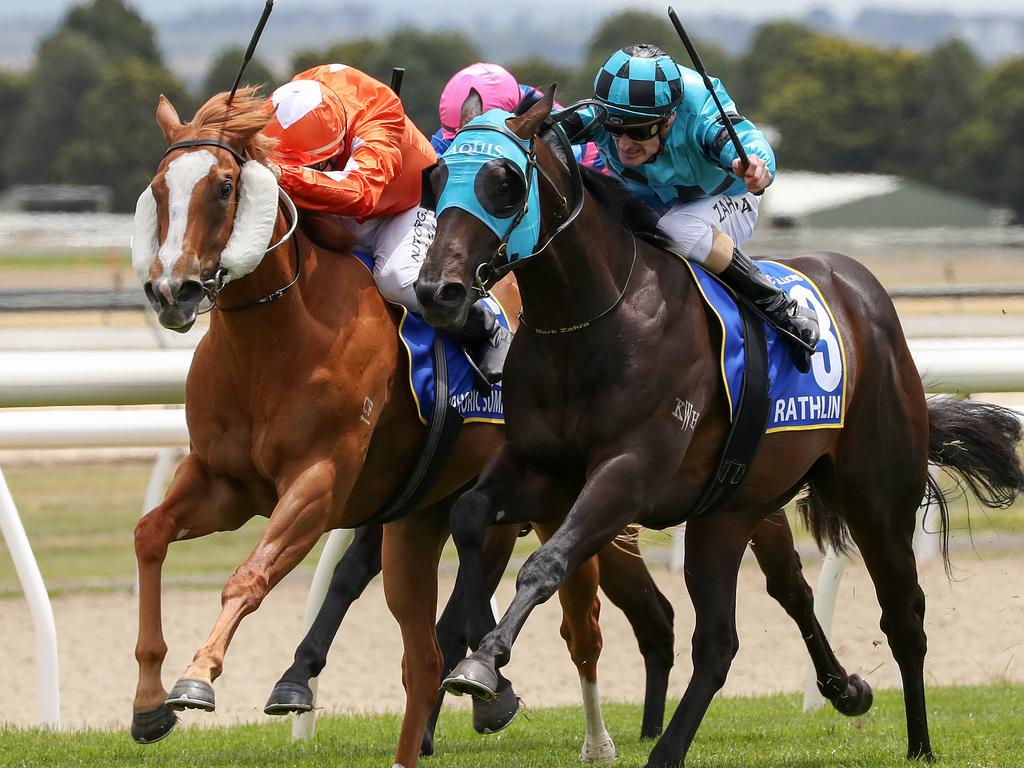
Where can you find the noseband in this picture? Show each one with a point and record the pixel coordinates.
(213, 286)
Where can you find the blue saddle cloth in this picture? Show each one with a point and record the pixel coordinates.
(812, 400)
(417, 337)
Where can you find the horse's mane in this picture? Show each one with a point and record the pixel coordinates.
(639, 218)
(241, 122)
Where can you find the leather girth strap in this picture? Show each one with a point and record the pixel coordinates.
(749, 421)
(442, 432)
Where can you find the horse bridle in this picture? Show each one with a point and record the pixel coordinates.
(499, 265)
(213, 286)
(492, 270)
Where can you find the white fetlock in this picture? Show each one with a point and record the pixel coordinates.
(602, 750)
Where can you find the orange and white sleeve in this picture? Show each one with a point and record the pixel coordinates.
(375, 161)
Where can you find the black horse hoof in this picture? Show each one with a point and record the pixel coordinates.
(191, 693)
(857, 699)
(474, 677)
(150, 727)
(289, 697)
(495, 715)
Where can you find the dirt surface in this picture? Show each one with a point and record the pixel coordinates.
(975, 635)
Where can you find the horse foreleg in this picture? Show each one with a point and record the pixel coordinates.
(609, 501)
(296, 524)
(714, 548)
(628, 584)
(356, 568)
(410, 553)
(581, 630)
(772, 544)
(488, 716)
(196, 504)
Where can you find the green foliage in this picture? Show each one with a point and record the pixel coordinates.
(67, 66)
(986, 156)
(223, 70)
(118, 29)
(358, 53)
(770, 50)
(119, 142)
(840, 106)
(540, 73)
(13, 95)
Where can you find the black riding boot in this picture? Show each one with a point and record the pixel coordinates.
(486, 342)
(744, 277)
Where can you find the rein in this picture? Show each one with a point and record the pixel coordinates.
(213, 286)
(586, 323)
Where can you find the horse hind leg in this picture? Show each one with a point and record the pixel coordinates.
(581, 610)
(772, 544)
(353, 572)
(626, 581)
(881, 517)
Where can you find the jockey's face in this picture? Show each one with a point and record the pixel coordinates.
(634, 152)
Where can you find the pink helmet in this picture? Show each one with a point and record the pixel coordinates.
(496, 86)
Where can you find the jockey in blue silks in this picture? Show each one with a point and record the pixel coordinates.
(660, 133)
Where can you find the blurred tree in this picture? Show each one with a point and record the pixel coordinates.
(986, 156)
(429, 58)
(949, 94)
(118, 29)
(630, 27)
(67, 66)
(840, 106)
(13, 94)
(119, 143)
(540, 73)
(224, 69)
(356, 53)
(770, 48)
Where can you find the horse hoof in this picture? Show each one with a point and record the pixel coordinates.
(191, 693)
(150, 727)
(474, 677)
(857, 699)
(496, 714)
(289, 697)
(600, 751)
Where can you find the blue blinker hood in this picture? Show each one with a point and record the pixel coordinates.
(482, 141)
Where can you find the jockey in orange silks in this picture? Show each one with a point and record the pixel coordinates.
(346, 147)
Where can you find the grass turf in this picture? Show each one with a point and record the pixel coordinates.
(971, 727)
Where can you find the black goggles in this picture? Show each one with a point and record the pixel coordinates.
(635, 132)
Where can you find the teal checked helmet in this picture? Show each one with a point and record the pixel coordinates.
(639, 83)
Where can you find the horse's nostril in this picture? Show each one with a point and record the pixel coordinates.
(450, 294)
(151, 296)
(190, 292)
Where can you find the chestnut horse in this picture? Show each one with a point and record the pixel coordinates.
(298, 410)
(613, 335)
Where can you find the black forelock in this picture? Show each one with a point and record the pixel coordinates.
(527, 101)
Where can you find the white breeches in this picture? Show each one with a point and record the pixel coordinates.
(690, 225)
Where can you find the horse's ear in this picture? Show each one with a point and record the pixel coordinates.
(167, 118)
(527, 125)
(472, 107)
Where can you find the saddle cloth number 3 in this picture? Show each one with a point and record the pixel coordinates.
(826, 364)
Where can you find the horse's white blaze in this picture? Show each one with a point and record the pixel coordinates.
(144, 244)
(597, 745)
(183, 173)
(254, 221)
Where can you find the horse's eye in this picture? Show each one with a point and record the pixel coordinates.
(225, 189)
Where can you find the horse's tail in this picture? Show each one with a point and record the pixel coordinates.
(979, 442)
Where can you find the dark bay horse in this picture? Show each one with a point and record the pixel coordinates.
(298, 410)
(613, 335)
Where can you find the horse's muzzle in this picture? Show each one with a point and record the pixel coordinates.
(444, 303)
(176, 302)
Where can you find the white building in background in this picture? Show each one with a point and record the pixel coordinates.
(805, 199)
